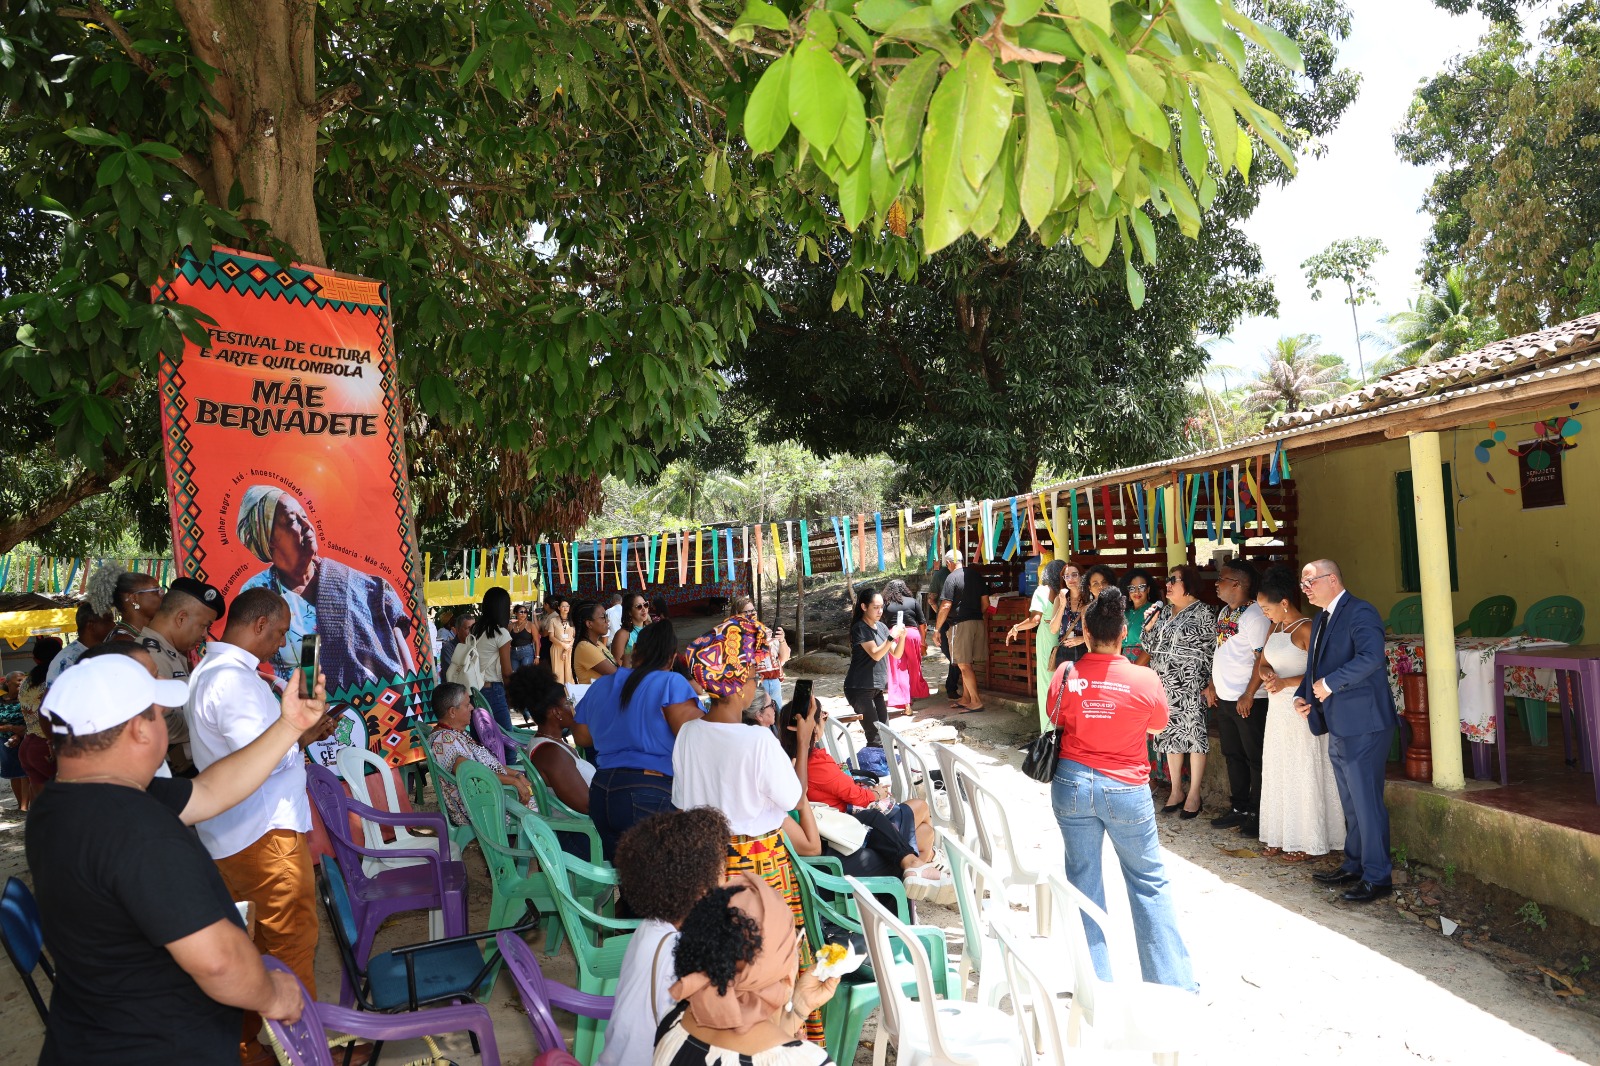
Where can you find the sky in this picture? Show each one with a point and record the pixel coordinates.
(1359, 188)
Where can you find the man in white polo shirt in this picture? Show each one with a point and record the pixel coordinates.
(259, 846)
(1242, 630)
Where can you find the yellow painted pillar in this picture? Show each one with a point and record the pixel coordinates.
(1177, 550)
(1438, 614)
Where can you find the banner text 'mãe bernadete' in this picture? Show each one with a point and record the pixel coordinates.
(286, 470)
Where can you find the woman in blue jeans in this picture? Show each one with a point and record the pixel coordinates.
(1105, 707)
(631, 719)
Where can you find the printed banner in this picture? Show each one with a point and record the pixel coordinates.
(286, 470)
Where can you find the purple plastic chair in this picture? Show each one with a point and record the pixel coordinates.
(439, 883)
(539, 995)
(306, 1041)
(492, 737)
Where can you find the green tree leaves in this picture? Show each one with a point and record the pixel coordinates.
(994, 112)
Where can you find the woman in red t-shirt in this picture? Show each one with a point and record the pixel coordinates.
(900, 837)
(1106, 706)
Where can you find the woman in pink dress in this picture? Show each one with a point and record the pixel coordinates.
(906, 682)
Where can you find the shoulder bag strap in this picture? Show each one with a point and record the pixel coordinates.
(655, 962)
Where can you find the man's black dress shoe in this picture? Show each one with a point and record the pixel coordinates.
(1335, 877)
(1229, 820)
(1366, 892)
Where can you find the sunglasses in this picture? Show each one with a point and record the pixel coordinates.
(1138, 588)
(1174, 579)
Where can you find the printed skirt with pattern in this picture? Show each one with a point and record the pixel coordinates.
(767, 857)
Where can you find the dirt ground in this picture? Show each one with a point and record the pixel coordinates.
(1288, 973)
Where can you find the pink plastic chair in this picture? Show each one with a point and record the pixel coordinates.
(539, 995)
(438, 883)
(306, 1041)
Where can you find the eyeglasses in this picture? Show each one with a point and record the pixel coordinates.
(1227, 581)
(1308, 582)
(1138, 588)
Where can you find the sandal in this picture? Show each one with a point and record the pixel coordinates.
(1293, 856)
(1272, 853)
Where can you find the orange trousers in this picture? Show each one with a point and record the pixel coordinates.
(274, 873)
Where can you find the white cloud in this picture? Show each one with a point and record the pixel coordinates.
(1360, 187)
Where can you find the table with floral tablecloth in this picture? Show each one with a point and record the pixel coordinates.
(1475, 677)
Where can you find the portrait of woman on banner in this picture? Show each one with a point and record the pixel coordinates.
(363, 623)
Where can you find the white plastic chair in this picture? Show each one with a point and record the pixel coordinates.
(1035, 1002)
(1127, 1013)
(352, 763)
(961, 823)
(997, 847)
(981, 899)
(909, 778)
(927, 1031)
(840, 744)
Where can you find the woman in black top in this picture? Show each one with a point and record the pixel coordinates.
(871, 644)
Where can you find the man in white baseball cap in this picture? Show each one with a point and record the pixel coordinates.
(152, 961)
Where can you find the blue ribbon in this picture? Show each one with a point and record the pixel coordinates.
(877, 518)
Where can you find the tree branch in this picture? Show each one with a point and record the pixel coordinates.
(86, 483)
(665, 55)
(97, 14)
(336, 100)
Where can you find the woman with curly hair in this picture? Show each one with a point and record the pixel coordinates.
(1180, 641)
(134, 596)
(665, 865)
(743, 997)
(543, 700)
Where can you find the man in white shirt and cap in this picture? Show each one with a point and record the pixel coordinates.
(259, 845)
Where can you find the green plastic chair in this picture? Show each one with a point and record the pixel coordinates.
(555, 810)
(826, 899)
(1553, 618)
(598, 940)
(517, 884)
(460, 835)
(1405, 616)
(1492, 617)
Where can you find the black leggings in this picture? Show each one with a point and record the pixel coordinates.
(885, 848)
(870, 705)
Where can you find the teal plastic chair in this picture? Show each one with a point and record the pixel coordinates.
(598, 940)
(1491, 617)
(517, 884)
(1405, 616)
(1553, 618)
(828, 906)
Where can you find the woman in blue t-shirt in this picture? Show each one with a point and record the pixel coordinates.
(631, 719)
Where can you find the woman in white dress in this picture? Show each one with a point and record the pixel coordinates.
(1300, 811)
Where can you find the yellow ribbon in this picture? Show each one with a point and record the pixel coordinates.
(1261, 503)
(777, 550)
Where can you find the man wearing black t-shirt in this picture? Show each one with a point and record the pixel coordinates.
(961, 608)
(152, 961)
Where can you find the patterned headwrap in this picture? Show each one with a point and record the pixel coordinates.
(256, 514)
(724, 659)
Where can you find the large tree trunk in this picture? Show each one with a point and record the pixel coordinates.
(265, 136)
(19, 528)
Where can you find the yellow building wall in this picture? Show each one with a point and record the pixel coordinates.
(1348, 514)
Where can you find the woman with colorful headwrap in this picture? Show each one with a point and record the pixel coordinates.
(744, 773)
(631, 719)
(362, 622)
(741, 995)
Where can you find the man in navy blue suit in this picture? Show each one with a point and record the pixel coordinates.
(1345, 694)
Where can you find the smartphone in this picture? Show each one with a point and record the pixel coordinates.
(897, 615)
(802, 696)
(310, 664)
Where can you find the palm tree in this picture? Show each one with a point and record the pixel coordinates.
(1441, 323)
(1294, 377)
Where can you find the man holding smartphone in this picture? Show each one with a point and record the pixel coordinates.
(259, 845)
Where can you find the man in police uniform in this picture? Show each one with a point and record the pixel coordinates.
(187, 612)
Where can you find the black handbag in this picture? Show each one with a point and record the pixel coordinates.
(1045, 751)
(1043, 754)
